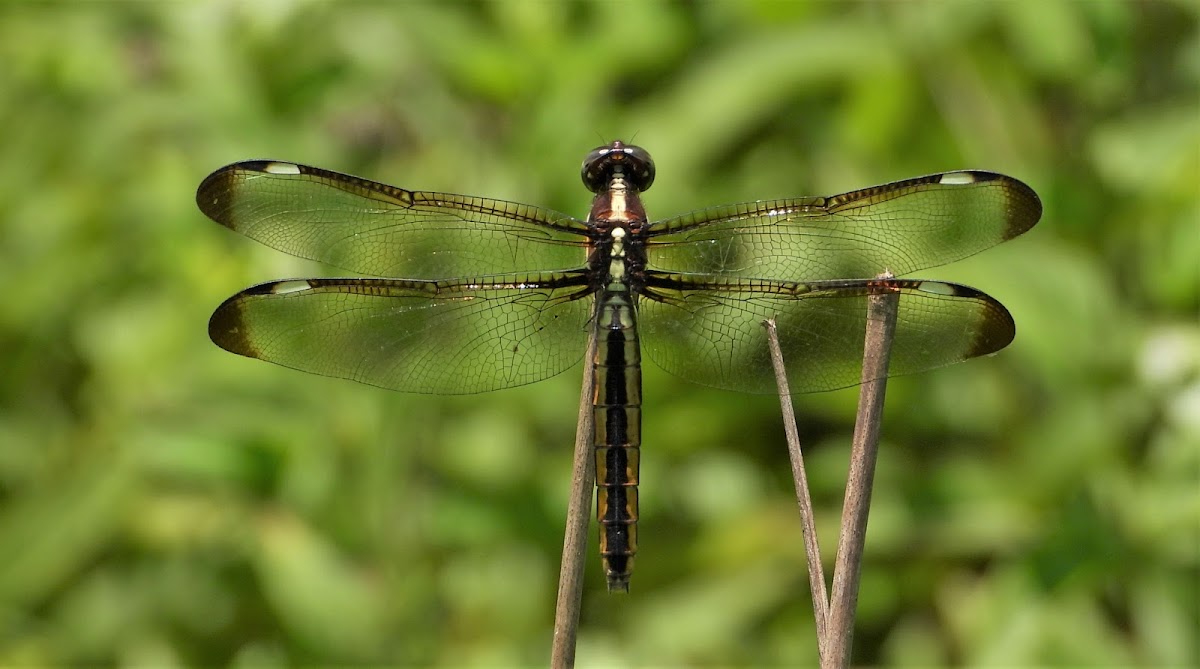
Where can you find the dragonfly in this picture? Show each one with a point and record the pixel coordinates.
(498, 294)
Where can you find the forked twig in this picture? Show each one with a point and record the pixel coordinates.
(579, 507)
(835, 615)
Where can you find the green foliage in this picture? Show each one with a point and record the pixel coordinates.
(164, 503)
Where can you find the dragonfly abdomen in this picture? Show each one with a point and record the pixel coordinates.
(617, 414)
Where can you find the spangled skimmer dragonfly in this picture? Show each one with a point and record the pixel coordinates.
(501, 294)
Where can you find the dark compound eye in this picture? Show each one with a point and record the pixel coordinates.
(641, 167)
(593, 172)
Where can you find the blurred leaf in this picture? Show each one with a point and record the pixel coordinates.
(53, 533)
(319, 595)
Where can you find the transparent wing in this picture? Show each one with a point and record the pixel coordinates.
(372, 228)
(899, 227)
(709, 331)
(443, 337)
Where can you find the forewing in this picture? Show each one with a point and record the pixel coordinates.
(899, 227)
(444, 337)
(709, 331)
(381, 230)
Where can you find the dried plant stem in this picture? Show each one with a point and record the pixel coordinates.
(579, 507)
(808, 527)
(881, 326)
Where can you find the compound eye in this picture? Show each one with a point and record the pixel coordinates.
(641, 167)
(594, 167)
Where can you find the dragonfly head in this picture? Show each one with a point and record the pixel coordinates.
(632, 162)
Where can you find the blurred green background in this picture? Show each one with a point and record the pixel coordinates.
(165, 503)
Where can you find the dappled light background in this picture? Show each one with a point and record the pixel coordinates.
(165, 503)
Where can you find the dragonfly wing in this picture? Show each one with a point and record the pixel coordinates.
(444, 337)
(899, 227)
(372, 228)
(708, 330)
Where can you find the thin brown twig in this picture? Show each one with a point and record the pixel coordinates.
(579, 507)
(808, 528)
(882, 309)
